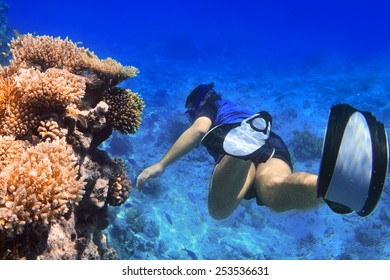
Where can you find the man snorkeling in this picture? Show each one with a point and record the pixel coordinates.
(252, 161)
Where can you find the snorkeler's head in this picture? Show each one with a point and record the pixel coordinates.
(197, 96)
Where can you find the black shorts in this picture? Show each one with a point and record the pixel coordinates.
(282, 153)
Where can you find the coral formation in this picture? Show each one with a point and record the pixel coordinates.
(44, 52)
(120, 188)
(306, 146)
(58, 103)
(49, 130)
(29, 94)
(38, 186)
(124, 109)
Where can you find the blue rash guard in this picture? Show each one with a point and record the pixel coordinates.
(228, 112)
(223, 112)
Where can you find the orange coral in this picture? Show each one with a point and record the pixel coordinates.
(46, 52)
(11, 150)
(7, 88)
(49, 130)
(27, 94)
(39, 187)
(125, 109)
(108, 69)
(15, 116)
(55, 87)
(4, 92)
(49, 84)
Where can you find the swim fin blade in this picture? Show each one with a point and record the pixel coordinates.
(354, 161)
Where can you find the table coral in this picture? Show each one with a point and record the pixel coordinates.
(58, 103)
(108, 69)
(44, 52)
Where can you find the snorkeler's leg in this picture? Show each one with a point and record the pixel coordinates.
(230, 181)
(282, 190)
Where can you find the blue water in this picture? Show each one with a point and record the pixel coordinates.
(292, 58)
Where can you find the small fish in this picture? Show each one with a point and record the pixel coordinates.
(17, 33)
(192, 197)
(127, 205)
(191, 254)
(78, 43)
(169, 219)
(89, 54)
(131, 161)
(74, 113)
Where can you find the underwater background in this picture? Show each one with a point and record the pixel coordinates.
(292, 58)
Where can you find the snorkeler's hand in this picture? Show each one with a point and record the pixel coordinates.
(150, 172)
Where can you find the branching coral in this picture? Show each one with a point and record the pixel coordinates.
(46, 52)
(125, 109)
(27, 95)
(4, 91)
(49, 130)
(51, 89)
(108, 69)
(16, 116)
(40, 187)
(11, 150)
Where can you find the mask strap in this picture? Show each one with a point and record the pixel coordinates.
(201, 95)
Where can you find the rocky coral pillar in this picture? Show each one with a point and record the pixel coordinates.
(58, 103)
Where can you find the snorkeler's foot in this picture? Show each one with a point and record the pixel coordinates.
(246, 140)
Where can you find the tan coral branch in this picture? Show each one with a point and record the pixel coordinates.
(40, 187)
(125, 109)
(49, 131)
(46, 52)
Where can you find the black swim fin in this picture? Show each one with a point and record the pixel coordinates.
(354, 161)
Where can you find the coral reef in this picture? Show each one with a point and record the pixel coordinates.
(58, 103)
(38, 186)
(124, 109)
(120, 187)
(306, 145)
(136, 236)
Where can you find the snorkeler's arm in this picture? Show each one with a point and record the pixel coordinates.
(188, 140)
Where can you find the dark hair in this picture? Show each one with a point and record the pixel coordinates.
(199, 93)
